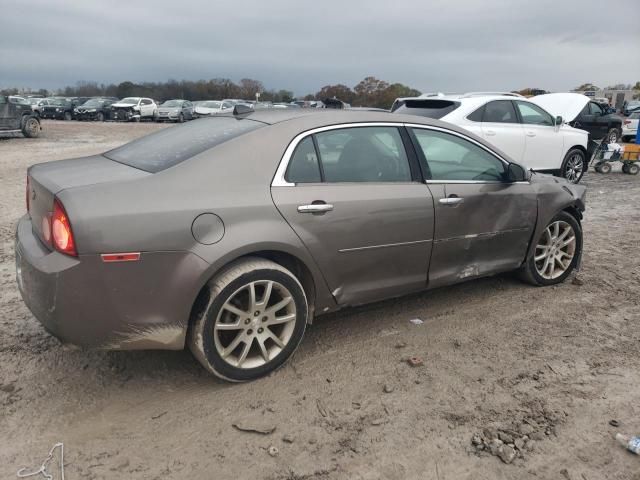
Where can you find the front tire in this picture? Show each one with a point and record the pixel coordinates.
(613, 135)
(556, 253)
(181, 118)
(100, 117)
(574, 165)
(253, 320)
(31, 128)
(67, 116)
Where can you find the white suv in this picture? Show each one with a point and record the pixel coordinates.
(518, 127)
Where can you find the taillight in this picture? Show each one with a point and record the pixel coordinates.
(27, 194)
(61, 232)
(627, 122)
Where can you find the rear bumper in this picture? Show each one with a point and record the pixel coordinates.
(116, 306)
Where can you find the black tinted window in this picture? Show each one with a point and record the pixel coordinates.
(304, 167)
(499, 111)
(431, 108)
(477, 115)
(594, 109)
(170, 146)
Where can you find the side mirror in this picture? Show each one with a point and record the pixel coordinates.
(516, 173)
(559, 120)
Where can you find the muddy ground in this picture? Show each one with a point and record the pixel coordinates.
(498, 355)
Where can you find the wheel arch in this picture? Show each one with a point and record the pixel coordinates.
(285, 259)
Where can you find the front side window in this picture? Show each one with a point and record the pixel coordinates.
(534, 115)
(594, 109)
(450, 157)
(499, 111)
(363, 154)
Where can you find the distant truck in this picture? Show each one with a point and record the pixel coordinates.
(17, 116)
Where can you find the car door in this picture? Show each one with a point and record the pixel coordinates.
(354, 197)
(501, 128)
(483, 223)
(590, 119)
(544, 143)
(146, 107)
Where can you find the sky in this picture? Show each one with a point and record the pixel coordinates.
(298, 45)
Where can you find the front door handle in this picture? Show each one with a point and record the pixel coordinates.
(315, 208)
(490, 133)
(451, 200)
(531, 134)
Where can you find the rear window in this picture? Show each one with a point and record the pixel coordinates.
(431, 108)
(170, 146)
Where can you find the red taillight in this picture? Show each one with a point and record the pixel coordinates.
(627, 122)
(61, 233)
(27, 194)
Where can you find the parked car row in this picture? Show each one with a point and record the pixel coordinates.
(553, 133)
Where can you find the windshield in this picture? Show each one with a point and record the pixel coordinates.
(211, 104)
(172, 103)
(171, 146)
(130, 100)
(94, 102)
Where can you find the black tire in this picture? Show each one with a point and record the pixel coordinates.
(100, 117)
(31, 127)
(529, 272)
(137, 119)
(67, 116)
(605, 168)
(633, 169)
(181, 118)
(224, 287)
(569, 169)
(613, 135)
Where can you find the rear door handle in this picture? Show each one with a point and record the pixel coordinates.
(451, 200)
(490, 133)
(315, 208)
(531, 134)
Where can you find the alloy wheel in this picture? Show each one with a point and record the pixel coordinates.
(555, 250)
(255, 324)
(573, 170)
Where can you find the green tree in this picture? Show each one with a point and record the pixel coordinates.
(587, 87)
(339, 91)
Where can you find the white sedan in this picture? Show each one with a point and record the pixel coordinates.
(523, 130)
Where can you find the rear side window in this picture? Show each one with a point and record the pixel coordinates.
(363, 154)
(431, 108)
(304, 167)
(171, 146)
(499, 111)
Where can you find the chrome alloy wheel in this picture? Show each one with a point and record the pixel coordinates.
(555, 250)
(574, 167)
(255, 324)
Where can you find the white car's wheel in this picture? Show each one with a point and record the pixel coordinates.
(574, 165)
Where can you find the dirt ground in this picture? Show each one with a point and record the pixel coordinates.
(557, 364)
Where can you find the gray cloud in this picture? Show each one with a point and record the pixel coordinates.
(440, 45)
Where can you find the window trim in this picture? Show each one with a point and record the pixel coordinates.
(278, 179)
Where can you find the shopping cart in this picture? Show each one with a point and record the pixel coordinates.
(628, 154)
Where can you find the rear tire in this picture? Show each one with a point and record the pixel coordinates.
(574, 165)
(633, 169)
(605, 167)
(549, 263)
(238, 338)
